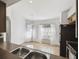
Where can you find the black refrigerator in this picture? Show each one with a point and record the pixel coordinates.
(67, 34)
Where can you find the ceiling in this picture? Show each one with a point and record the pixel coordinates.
(40, 9)
(10, 2)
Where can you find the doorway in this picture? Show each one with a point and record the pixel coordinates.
(8, 30)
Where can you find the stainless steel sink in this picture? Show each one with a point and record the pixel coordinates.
(35, 55)
(27, 53)
(21, 52)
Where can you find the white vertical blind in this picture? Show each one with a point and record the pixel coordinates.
(41, 33)
(29, 31)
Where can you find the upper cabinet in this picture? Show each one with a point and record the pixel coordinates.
(2, 17)
(72, 18)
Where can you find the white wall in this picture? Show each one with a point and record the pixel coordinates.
(8, 29)
(17, 25)
(72, 8)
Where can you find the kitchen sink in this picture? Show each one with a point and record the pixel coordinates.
(21, 52)
(27, 53)
(35, 55)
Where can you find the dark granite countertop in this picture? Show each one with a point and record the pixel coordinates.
(5, 48)
(6, 55)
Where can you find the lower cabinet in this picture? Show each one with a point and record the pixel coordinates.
(2, 17)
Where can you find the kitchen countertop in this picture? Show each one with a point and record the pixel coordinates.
(5, 48)
(6, 55)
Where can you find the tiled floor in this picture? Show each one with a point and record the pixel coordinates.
(53, 49)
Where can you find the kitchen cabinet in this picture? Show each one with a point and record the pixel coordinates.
(2, 17)
(72, 18)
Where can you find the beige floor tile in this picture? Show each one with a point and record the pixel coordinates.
(53, 49)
